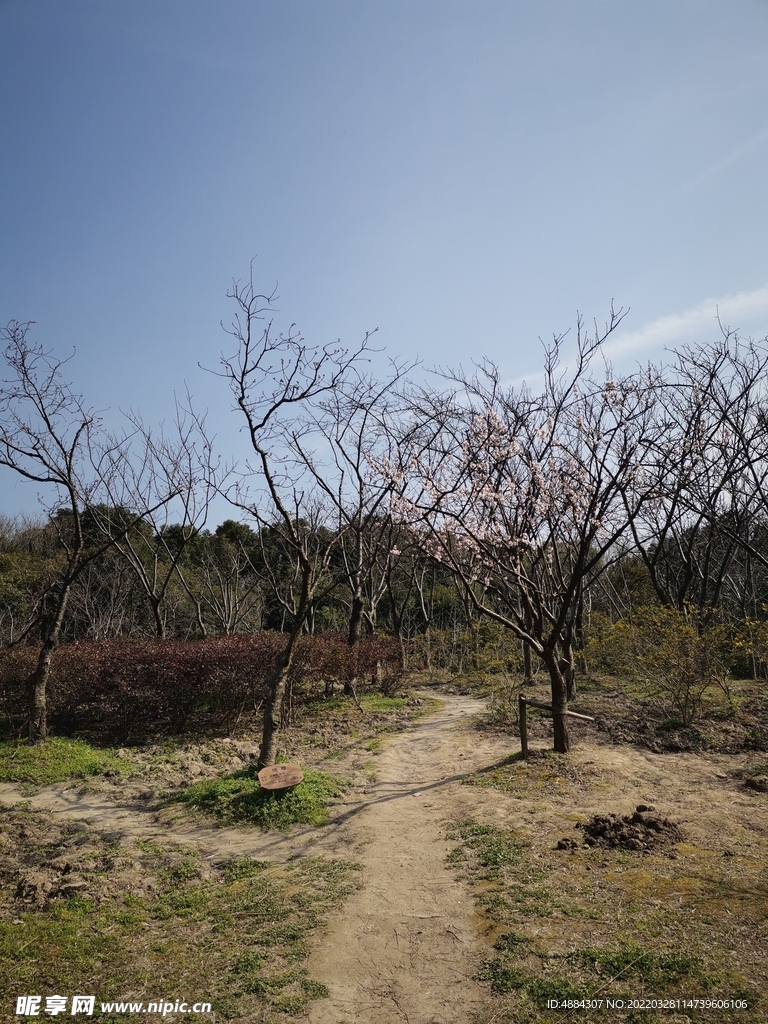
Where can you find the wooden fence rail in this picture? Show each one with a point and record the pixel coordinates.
(523, 716)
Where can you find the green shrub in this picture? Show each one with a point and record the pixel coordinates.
(677, 657)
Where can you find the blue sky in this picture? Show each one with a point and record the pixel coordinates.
(462, 176)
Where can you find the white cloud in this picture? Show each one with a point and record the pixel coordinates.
(733, 310)
(736, 156)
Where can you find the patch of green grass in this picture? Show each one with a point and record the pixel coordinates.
(655, 967)
(371, 703)
(456, 856)
(55, 760)
(512, 889)
(493, 848)
(507, 885)
(541, 989)
(238, 798)
(188, 868)
(150, 847)
(508, 942)
(236, 938)
(378, 702)
(244, 867)
(506, 976)
(607, 971)
(503, 976)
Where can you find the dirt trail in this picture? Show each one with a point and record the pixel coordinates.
(405, 949)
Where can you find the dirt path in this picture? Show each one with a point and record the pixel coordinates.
(406, 949)
(151, 820)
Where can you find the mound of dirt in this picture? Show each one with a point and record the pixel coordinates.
(643, 830)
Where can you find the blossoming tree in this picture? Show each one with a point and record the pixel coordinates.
(523, 495)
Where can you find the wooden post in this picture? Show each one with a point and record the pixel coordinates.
(522, 705)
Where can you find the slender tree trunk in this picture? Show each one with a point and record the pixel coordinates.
(559, 702)
(568, 669)
(568, 661)
(277, 689)
(527, 652)
(356, 618)
(354, 634)
(200, 622)
(38, 681)
(157, 615)
(278, 684)
(527, 664)
(403, 651)
(580, 651)
(38, 684)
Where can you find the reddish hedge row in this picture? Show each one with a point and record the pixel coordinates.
(129, 689)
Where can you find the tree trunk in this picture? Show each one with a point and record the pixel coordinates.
(38, 707)
(568, 669)
(200, 622)
(401, 650)
(527, 664)
(579, 646)
(527, 652)
(157, 615)
(38, 681)
(355, 619)
(278, 685)
(568, 661)
(559, 703)
(353, 637)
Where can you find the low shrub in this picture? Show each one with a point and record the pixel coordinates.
(676, 657)
(127, 690)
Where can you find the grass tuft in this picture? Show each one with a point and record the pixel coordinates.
(239, 799)
(494, 848)
(654, 967)
(55, 760)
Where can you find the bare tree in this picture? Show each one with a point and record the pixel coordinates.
(705, 476)
(104, 603)
(168, 490)
(49, 436)
(341, 443)
(274, 378)
(227, 586)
